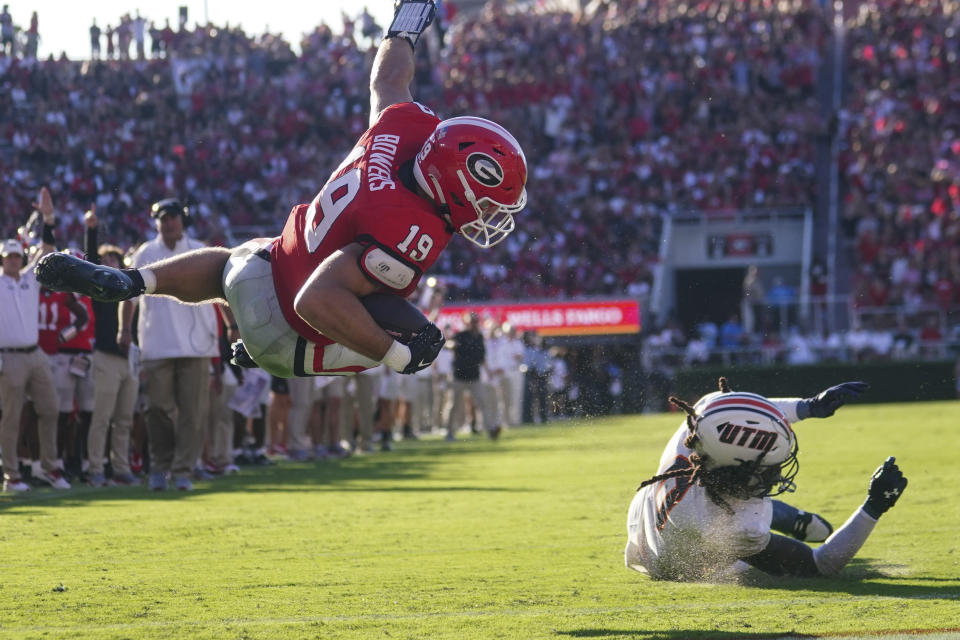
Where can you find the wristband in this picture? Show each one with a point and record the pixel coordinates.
(397, 357)
(47, 235)
(872, 510)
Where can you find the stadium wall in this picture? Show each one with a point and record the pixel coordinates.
(889, 381)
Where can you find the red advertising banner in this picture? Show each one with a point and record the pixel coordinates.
(553, 318)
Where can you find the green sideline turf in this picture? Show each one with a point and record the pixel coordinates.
(517, 539)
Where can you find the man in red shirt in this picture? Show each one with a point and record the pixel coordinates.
(66, 332)
(73, 372)
(381, 220)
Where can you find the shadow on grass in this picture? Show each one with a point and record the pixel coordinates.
(678, 635)
(862, 577)
(399, 470)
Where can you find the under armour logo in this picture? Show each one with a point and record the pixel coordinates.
(893, 492)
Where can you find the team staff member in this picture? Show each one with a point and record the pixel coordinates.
(177, 342)
(25, 368)
(115, 387)
(469, 354)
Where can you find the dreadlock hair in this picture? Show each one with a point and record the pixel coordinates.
(712, 480)
(716, 482)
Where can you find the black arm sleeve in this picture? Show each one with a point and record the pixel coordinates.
(91, 246)
(785, 556)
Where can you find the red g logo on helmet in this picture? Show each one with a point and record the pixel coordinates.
(476, 173)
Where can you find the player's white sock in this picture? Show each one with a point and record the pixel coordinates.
(834, 554)
(149, 280)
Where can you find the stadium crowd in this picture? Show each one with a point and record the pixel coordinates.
(902, 155)
(613, 136)
(628, 112)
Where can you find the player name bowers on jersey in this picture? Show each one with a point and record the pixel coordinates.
(365, 202)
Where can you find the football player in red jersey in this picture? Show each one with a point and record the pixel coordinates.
(411, 182)
(66, 329)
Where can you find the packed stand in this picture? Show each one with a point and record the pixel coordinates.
(611, 128)
(902, 162)
(190, 113)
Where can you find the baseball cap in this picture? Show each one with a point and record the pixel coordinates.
(165, 207)
(11, 246)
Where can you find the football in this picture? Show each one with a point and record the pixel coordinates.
(398, 317)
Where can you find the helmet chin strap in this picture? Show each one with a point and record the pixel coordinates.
(442, 205)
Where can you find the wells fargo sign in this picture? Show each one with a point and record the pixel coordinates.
(553, 318)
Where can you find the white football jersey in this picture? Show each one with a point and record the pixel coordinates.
(676, 532)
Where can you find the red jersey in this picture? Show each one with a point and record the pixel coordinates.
(54, 317)
(364, 201)
(83, 341)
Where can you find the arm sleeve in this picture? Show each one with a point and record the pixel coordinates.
(834, 554)
(91, 246)
(789, 408)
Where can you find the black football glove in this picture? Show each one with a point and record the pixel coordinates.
(424, 349)
(240, 357)
(886, 487)
(826, 402)
(411, 18)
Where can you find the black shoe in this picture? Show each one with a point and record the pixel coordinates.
(811, 527)
(261, 460)
(386, 441)
(63, 272)
(409, 434)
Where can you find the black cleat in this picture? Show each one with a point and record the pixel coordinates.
(64, 272)
(811, 527)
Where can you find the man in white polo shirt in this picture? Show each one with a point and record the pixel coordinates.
(25, 368)
(177, 341)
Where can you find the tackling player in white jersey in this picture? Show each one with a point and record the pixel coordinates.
(708, 512)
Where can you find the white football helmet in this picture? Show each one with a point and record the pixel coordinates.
(747, 433)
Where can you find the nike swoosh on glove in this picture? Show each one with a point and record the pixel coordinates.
(424, 348)
(827, 402)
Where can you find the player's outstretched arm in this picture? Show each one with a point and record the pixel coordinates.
(393, 67)
(391, 76)
(825, 403)
(784, 556)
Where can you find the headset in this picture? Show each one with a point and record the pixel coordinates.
(171, 205)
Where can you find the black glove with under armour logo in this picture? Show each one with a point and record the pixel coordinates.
(824, 404)
(424, 348)
(886, 487)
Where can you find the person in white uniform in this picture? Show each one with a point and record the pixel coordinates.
(708, 513)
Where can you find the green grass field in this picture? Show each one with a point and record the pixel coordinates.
(522, 538)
